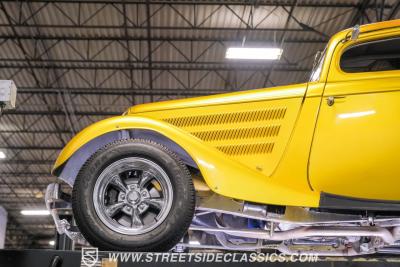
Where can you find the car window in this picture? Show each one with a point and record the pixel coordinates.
(375, 56)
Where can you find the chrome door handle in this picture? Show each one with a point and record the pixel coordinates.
(331, 99)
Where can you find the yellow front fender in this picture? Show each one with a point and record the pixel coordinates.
(222, 174)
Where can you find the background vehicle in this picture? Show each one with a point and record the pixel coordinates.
(309, 167)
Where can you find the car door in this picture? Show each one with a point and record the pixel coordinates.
(356, 146)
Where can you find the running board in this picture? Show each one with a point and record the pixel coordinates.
(331, 201)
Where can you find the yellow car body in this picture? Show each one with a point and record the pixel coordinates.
(284, 145)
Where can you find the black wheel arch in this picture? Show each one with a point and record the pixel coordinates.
(70, 169)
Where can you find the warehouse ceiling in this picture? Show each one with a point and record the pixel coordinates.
(77, 62)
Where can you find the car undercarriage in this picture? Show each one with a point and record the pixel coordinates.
(221, 223)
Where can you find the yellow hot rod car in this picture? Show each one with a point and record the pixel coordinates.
(310, 167)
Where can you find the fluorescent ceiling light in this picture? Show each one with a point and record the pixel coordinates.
(35, 212)
(52, 242)
(2, 155)
(253, 53)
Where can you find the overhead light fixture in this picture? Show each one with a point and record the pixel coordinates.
(2, 155)
(35, 212)
(52, 242)
(253, 53)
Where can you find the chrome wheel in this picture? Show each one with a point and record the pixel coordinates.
(132, 196)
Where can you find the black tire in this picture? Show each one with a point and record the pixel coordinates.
(164, 236)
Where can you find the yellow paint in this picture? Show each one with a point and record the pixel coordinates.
(223, 99)
(356, 147)
(234, 127)
(256, 145)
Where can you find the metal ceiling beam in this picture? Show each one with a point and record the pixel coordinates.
(60, 113)
(115, 91)
(394, 11)
(149, 46)
(167, 28)
(63, 37)
(47, 52)
(361, 8)
(33, 185)
(33, 147)
(312, 4)
(128, 51)
(301, 24)
(23, 174)
(137, 63)
(29, 131)
(27, 162)
(221, 66)
(20, 196)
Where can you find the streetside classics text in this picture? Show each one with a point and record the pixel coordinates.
(210, 257)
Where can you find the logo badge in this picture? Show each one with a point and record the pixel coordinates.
(89, 256)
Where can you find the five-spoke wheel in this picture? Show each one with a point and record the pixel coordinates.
(132, 196)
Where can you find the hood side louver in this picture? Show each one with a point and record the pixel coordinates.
(235, 133)
(259, 148)
(227, 118)
(240, 133)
